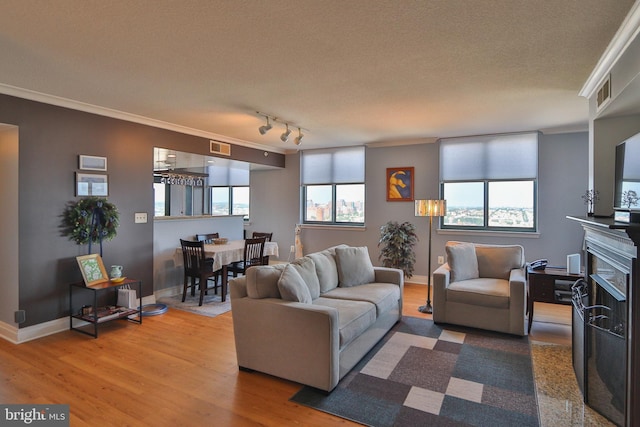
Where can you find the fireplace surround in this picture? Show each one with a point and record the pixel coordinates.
(606, 320)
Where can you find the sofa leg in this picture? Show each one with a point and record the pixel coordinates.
(243, 369)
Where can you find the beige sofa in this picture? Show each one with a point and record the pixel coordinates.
(482, 286)
(312, 320)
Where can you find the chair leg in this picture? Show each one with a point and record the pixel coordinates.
(184, 289)
(203, 288)
(193, 286)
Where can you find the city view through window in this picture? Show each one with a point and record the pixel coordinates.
(349, 203)
(510, 204)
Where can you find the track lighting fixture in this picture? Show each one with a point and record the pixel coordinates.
(285, 135)
(298, 139)
(265, 128)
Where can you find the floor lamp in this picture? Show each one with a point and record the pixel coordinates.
(430, 208)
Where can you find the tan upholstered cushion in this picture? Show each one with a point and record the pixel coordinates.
(262, 281)
(462, 261)
(292, 286)
(326, 270)
(307, 269)
(497, 261)
(354, 266)
(354, 317)
(383, 295)
(484, 292)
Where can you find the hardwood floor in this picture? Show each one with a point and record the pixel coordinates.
(176, 369)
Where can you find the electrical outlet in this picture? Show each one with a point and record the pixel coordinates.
(440, 260)
(293, 249)
(140, 217)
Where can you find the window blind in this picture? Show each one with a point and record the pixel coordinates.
(232, 175)
(332, 166)
(512, 156)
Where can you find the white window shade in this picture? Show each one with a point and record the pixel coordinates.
(225, 176)
(513, 156)
(333, 166)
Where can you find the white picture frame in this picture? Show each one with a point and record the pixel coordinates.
(92, 163)
(92, 184)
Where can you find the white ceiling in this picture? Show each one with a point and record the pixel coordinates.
(348, 71)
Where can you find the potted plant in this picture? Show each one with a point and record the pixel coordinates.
(397, 241)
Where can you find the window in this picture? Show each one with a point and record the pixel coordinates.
(489, 182)
(333, 186)
(229, 189)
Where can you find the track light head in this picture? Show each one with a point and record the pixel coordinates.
(265, 128)
(298, 139)
(285, 135)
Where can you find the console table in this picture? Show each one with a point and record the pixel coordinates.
(546, 286)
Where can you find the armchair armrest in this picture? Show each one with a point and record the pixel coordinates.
(441, 279)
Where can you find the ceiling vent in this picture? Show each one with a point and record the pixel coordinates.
(217, 147)
(604, 93)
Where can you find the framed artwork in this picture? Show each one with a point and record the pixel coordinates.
(91, 184)
(400, 184)
(92, 163)
(92, 269)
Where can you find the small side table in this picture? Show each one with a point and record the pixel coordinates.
(543, 287)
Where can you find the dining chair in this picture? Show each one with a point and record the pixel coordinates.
(207, 238)
(197, 267)
(268, 237)
(253, 255)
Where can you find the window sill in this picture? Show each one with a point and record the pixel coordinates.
(334, 226)
(490, 233)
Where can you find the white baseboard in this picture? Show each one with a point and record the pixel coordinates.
(418, 280)
(21, 335)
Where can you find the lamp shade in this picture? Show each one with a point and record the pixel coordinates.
(431, 207)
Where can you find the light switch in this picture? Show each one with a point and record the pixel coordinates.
(140, 217)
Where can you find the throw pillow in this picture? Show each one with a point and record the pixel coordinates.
(292, 286)
(306, 267)
(354, 266)
(262, 281)
(326, 270)
(462, 261)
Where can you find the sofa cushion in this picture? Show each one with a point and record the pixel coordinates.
(262, 281)
(486, 292)
(326, 270)
(497, 261)
(462, 261)
(384, 296)
(354, 317)
(307, 269)
(292, 286)
(354, 266)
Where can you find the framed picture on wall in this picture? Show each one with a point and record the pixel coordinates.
(91, 184)
(400, 184)
(92, 269)
(92, 163)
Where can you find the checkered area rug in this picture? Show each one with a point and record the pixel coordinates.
(422, 374)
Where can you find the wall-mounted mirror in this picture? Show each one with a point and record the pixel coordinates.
(187, 184)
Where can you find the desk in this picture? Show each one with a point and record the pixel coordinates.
(547, 286)
(223, 255)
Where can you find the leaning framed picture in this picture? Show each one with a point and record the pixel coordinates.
(92, 269)
(400, 184)
(92, 184)
(92, 163)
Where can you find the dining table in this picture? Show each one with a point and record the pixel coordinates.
(224, 254)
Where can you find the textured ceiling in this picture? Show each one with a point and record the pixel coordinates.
(349, 71)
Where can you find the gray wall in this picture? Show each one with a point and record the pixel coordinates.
(563, 172)
(50, 140)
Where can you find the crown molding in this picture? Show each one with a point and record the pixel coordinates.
(624, 36)
(116, 114)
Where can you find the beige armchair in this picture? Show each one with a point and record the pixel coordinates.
(482, 286)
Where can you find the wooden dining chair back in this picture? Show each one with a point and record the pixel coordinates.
(207, 238)
(253, 255)
(197, 269)
(268, 237)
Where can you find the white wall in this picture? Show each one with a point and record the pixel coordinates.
(9, 259)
